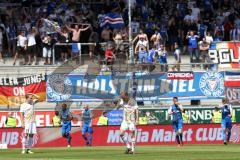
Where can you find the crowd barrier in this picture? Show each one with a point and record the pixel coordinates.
(110, 136)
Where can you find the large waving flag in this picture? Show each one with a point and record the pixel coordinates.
(51, 26)
(112, 20)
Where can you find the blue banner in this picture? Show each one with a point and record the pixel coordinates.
(115, 117)
(148, 87)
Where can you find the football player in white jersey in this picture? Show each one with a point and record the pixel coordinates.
(130, 119)
(28, 122)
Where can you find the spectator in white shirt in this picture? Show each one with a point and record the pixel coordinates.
(177, 57)
(209, 38)
(31, 49)
(189, 16)
(21, 46)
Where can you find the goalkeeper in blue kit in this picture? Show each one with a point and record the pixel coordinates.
(226, 121)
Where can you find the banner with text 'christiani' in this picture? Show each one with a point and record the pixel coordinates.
(146, 87)
(14, 90)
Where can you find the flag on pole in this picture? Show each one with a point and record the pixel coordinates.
(112, 20)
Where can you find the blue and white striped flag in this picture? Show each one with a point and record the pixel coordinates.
(112, 20)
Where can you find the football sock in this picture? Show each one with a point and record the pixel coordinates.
(68, 138)
(125, 141)
(180, 135)
(30, 142)
(229, 135)
(24, 143)
(177, 138)
(84, 137)
(90, 138)
(133, 143)
(224, 135)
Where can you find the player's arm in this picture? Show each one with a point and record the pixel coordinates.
(22, 116)
(170, 112)
(36, 97)
(137, 116)
(230, 108)
(180, 107)
(91, 116)
(119, 104)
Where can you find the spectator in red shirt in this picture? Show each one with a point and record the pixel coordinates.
(109, 54)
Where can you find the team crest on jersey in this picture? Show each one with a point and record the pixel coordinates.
(212, 84)
(59, 87)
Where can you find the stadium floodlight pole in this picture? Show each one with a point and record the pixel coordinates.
(131, 56)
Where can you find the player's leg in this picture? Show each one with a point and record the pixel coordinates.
(132, 129)
(24, 138)
(32, 131)
(68, 136)
(24, 142)
(223, 125)
(84, 133)
(180, 132)
(90, 133)
(175, 127)
(64, 130)
(30, 143)
(229, 128)
(123, 129)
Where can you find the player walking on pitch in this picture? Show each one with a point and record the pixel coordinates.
(226, 121)
(66, 117)
(177, 122)
(28, 122)
(130, 119)
(87, 125)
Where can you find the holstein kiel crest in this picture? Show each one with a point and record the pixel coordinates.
(59, 87)
(212, 84)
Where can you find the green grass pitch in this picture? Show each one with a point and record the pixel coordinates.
(188, 152)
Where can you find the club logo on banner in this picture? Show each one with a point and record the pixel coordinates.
(212, 84)
(59, 87)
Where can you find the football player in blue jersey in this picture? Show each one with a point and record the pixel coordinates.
(226, 121)
(87, 125)
(175, 111)
(66, 117)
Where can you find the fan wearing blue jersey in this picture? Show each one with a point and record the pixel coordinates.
(66, 117)
(87, 125)
(226, 121)
(175, 111)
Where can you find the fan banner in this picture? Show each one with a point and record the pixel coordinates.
(14, 90)
(225, 54)
(147, 87)
(110, 136)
